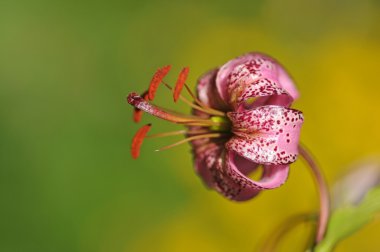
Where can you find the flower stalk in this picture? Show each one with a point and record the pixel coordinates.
(324, 198)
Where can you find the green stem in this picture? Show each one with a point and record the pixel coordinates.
(324, 198)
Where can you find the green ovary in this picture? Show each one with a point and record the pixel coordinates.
(224, 124)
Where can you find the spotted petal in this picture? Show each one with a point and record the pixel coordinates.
(207, 92)
(266, 135)
(232, 181)
(209, 164)
(286, 82)
(205, 158)
(255, 75)
(225, 71)
(256, 78)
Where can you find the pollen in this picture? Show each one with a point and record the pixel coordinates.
(138, 140)
(180, 83)
(137, 114)
(156, 80)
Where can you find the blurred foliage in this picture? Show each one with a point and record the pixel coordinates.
(67, 181)
(347, 220)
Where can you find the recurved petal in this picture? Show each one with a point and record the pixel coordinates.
(235, 78)
(227, 186)
(225, 71)
(273, 176)
(205, 158)
(286, 82)
(233, 182)
(265, 90)
(256, 78)
(207, 92)
(266, 135)
(253, 69)
(279, 100)
(209, 163)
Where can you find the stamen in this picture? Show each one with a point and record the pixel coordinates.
(138, 140)
(195, 98)
(137, 114)
(178, 132)
(180, 82)
(172, 133)
(208, 123)
(189, 139)
(137, 101)
(194, 106)
(157, 79)
(203, 105)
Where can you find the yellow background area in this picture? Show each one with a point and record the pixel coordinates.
(67, 181)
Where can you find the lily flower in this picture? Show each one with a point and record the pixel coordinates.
(241, 119)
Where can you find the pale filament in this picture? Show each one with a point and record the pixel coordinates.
(211, 135)
(138, 102)
(178, 132)
(202, 107)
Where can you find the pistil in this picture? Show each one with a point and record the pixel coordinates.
(138, 102)
(178, 132)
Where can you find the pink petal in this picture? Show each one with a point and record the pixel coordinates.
(250, 71)
(287, 83)
(234, 184)
(207, 92)
(205, 158)
(280, 100)
(256, 78)
(226, 186)
(203, 86)
(268, 91)
(209, 165)
(245, 166)
(256, 88)
(236, 77)
(225, 71)
(273, 177)
(266, 135)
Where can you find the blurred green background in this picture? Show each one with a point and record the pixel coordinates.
(67, 181)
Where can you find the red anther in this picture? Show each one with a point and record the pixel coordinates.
(138, 140)
(180, 82)
(145, 95)
(156, 80)
(137, 114)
